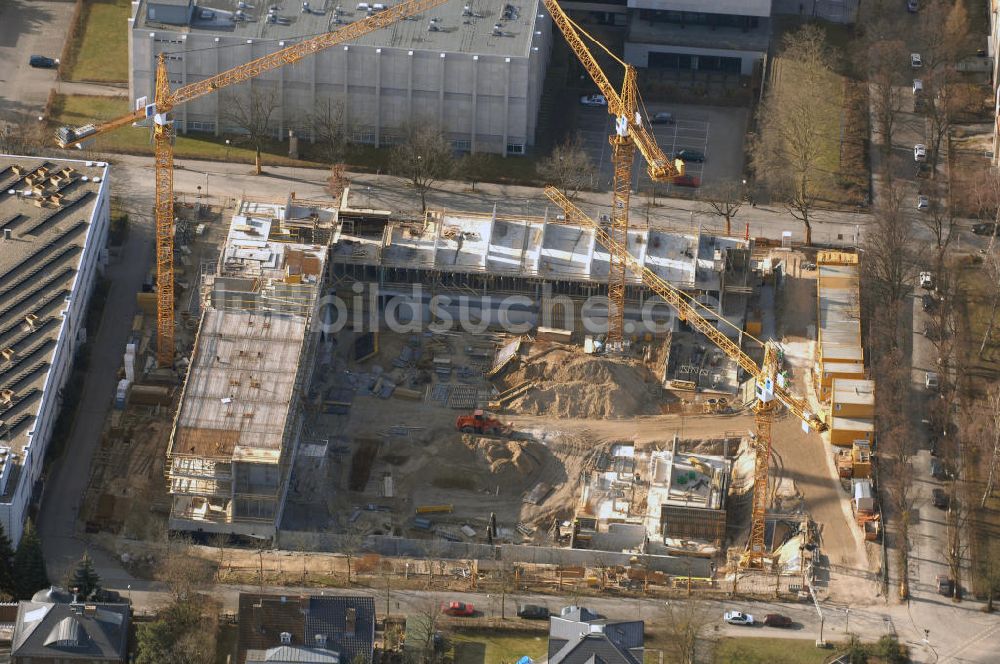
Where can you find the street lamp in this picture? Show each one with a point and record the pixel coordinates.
(227, 150)
(129, 586)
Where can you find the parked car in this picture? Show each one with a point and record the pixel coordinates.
(593, 100)
(926, 280)
(691, 155)
(686, 181)
(662, 117)
(738, 618)
(912, 6)
(919, 104)
(986, 229)
(940, 499)
(918, 86)
(919, 152)
(916, 61)
(532, 612)
(43, 62)
(777, 620)
(457, 609)
(945, 585)
(923, 202)
(932, 381)
(927, 302)
(937, 469)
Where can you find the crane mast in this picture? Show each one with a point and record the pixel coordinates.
(165, 100)
(768, 389)
(630, 133)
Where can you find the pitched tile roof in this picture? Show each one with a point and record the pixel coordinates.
(71, 631)
(579, 636)
(264, 618)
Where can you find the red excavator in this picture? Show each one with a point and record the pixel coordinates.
(483, 423)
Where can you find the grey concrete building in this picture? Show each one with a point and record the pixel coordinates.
(54, 218)
(473, 67)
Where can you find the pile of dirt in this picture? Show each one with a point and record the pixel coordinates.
(512, 462)
(569, 383)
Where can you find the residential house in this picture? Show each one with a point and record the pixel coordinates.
(54, 628)
(289, 629)
(580, 636)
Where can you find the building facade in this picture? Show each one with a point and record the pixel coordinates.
(54, 226)
(474, 69)
(728, 36)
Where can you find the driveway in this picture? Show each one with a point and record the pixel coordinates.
(68, 475)
(26, 29)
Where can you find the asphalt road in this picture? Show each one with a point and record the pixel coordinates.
(68, 476)
(955, 633)
(35, 27)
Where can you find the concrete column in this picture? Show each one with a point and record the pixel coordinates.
(409, 87)
(378, 97)
(184, 80)
(281, 97)
(312, 94)
(506, 107)
(475, 99)
(347, 97)
(152, 67)
(216, 99)
(440, 113)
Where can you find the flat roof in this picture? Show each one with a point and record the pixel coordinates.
(454, 29)
(853, 424)
(47, 206)
(239, 386)
(534, 246)
(241, 382)
(854, 390)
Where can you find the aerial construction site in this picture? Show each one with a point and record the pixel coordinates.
(577, 392)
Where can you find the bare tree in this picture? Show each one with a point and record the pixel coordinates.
(792, 154)
(330, 130)
(956, 543)
(725, 199)
(889, 262)
(882, 58)
(988, 571)
(422, 158)
(686, 625)
(940, 220)
(569, 168)
(473, 167)
(352, 543)
(252, 112)
(991, 438)
(21, 135)
(944, 33)
(425, 616)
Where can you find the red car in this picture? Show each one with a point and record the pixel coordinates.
(457, 609)
(686, 181)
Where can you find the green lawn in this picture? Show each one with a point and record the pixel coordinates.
(101, 51)
(770, 651)
(483, 647)
(76, 110)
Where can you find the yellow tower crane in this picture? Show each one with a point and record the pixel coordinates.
(166, 100)
(630, 133)
(770, 389)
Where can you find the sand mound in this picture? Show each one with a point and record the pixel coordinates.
(571, 384)
(510, 461)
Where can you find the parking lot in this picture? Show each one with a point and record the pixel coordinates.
(29, 28)
(716, 132)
